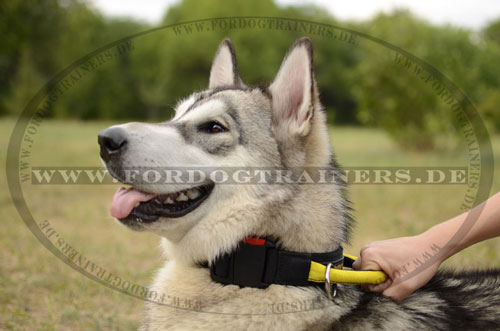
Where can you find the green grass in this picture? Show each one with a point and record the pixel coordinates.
(39, 292)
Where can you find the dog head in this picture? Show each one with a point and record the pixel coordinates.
(176, 169)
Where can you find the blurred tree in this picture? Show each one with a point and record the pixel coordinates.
(42, 37)
(489, 109)
(489, 103)
(405, 103)
(358, 84)
(24, 85)
(28, 30)
(182, 60)
(492, 32)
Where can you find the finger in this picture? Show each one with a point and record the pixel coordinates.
(361, 264)
(379, 287)
(369, 265)
(398, 292)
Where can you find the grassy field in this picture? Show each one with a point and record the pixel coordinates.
(38, 291)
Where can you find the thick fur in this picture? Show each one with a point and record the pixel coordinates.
(282, 125)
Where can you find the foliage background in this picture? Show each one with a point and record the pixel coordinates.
(359, 85)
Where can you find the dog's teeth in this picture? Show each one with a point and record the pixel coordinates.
(182, 197)
(193, 193)
(137, 204)
(168, 200)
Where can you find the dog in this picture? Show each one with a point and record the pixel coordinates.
(280, 126)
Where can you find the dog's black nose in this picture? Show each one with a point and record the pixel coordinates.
(112, 141)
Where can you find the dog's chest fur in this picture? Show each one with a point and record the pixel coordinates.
(193, 301)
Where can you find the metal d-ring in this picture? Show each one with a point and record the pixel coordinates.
(328, 284)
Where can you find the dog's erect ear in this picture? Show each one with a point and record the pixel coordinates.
(225, 68)
(292, 89)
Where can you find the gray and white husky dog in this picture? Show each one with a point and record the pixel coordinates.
(278, 126)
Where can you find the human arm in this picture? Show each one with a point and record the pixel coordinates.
(398, 257)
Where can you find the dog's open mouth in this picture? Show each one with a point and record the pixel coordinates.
(133, 205)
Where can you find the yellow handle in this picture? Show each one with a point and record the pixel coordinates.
(348, 277)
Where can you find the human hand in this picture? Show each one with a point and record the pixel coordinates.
(397, 258)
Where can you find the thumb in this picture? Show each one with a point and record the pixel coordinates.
(357, 264)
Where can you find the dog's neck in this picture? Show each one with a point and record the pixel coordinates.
(308, 222)
(316, 217)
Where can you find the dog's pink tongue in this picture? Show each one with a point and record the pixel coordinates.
(125, 200)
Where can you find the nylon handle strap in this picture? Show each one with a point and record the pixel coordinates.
(346, 277)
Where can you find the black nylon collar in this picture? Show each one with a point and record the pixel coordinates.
(259, 263)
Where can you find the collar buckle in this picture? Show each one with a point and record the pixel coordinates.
(328, 285)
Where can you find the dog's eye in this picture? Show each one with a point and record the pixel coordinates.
(212, 127)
